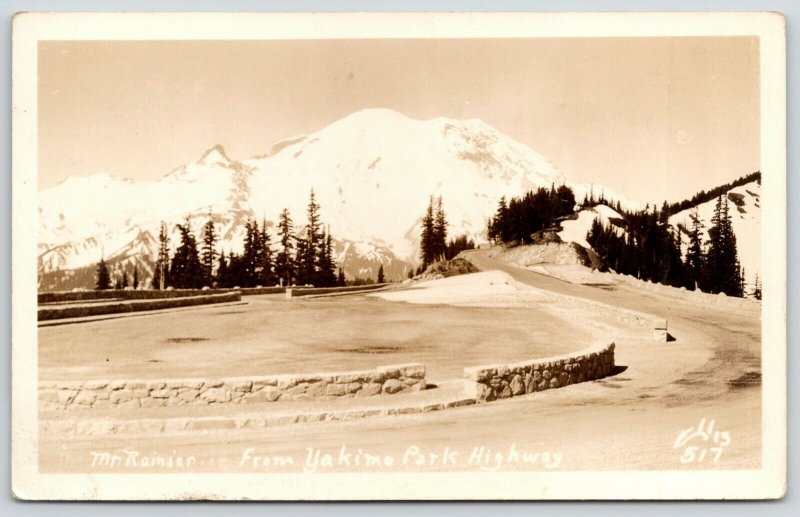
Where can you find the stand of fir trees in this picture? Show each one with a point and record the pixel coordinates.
(641, 245)
(307, 258)
(590, 201)
(516, 221)
(457, 245)
(161, 267)
(644, 245)
(313, 263)
(722, 272)
(703, 196)
(103, 277)
(254, 266)
(434, 245)
(433, 237)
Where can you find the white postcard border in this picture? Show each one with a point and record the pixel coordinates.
(767, 482)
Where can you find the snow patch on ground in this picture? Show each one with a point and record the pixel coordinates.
(485, 289)
(575, 230)
(575, 274)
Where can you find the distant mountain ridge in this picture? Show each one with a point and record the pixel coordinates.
(372, 173)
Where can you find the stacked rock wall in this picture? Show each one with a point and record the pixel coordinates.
(146, 294)
(46, 313)
(296, 292)
(241, 390)
(487, 383)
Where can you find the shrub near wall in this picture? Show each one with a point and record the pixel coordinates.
(487, 383)
(383, 380)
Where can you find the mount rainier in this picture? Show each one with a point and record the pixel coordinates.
(372, 172)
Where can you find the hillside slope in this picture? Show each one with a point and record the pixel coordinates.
(745, 211)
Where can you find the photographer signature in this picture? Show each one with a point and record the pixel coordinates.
(702, 443)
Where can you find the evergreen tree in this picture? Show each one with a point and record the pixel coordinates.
(156, 283)
(314, 236)
(185, 269)
(103, 278)
(664, 215)
(723, 274)
(249, 255)
(427, 237)
(209, 254)
(327, 268)
(497, 223)
(161, 268)
(235, 270)
(695, 257)
(440, 232)
(381, 278)
(301, 270)
(124, 279)
(284, 262)
(308, 260)
(734, 285)
(223, 278)
(742, 282)
(135, 277)
(265, 255)
(757, 288)
(340, 280)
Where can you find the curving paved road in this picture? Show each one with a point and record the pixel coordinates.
(630, 421)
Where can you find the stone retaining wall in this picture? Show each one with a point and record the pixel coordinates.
(296, 292)
(46, 313)
(385, 380)
(147, 294)
(487, 383)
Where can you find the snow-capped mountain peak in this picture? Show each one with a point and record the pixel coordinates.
(215, 156)
(372, 171)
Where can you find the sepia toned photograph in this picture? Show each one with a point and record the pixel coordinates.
(399, 256)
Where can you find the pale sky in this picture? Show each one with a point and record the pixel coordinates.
(651, 118)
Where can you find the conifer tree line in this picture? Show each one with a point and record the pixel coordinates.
(650, 249)
(298, 258)
(641, 243)
(518, 219)
(103, 278)
(703, 196)
(433, 236)
(590, 201)
(434, 245)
